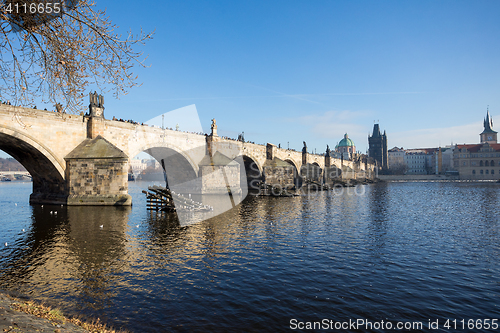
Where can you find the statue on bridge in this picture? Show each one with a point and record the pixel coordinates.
(213, 128)
(304, 150)
(59, 107)
(327, 154)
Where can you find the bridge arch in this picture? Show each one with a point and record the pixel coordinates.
(179, 165)
(293, 163)
(297, 181)
(249, 157)
(171, 149)
(253, 171)
(47, 170)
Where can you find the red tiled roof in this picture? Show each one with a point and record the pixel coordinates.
(473, 148)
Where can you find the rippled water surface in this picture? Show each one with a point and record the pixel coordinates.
(393, 251)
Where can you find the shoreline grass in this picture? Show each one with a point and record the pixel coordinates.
(56, 316)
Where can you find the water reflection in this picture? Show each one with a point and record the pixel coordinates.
(379, 205)
(96, 245)
(33, 250)
(488, 198)
(69, 250)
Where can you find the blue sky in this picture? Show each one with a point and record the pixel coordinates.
(293, 71)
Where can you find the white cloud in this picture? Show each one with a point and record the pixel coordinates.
(435, 137)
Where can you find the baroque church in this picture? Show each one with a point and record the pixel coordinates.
(346, 147)
(479, 161)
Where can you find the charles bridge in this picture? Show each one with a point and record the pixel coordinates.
(84, 159)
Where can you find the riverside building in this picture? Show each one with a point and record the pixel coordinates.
(479, 161)
(420, 161)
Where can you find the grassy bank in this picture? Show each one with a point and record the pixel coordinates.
(49, 315)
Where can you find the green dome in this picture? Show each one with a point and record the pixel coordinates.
(346, 142)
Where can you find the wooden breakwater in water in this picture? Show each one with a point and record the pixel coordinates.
(162, 198)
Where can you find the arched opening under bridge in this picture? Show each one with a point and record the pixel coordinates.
(168, 167)
(297, 178)
(47, 172)
(311, 173)
(252, 172)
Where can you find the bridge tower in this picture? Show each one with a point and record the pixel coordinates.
(377, 150)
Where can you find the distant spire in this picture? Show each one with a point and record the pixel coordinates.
(488, 121)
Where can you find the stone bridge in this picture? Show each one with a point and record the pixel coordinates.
(84, 159)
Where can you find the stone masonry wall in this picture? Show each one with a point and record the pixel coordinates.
(279, 176)
(97, 178)
(213, 181)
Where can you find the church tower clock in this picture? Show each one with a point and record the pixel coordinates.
(488, 135)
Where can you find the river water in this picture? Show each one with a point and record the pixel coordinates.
(391, 252)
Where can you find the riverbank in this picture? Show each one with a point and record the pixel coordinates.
(397, 178)
(18, 315)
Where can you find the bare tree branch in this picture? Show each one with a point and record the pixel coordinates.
(56, 57)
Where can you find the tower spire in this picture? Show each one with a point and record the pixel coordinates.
(488, 121)
(488, 134)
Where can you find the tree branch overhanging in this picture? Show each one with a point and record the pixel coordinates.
(56, 58)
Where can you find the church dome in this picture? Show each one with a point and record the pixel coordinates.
(346, 142)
